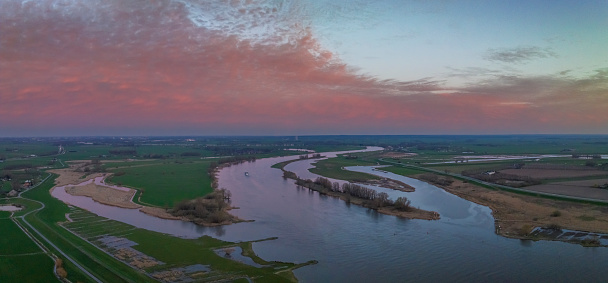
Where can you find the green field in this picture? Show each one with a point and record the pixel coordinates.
(14, 241)
(166, 183)
(29, 268)
(21, 260)
(5, 186)
(332, 168)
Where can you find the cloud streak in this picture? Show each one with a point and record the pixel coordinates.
(519, 55)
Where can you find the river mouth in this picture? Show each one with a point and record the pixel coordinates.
(355, 244)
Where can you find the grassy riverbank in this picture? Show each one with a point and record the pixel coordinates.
(332, 168)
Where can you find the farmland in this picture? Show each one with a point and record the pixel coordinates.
(20, 258)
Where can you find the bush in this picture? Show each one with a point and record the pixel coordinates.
(59, 268)
(525, 229)
(556, 213)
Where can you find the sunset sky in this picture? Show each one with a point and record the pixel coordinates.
(302, 67)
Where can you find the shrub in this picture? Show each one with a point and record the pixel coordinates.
(59, 268)
(593, 242)
(556, 213)
(525, 229)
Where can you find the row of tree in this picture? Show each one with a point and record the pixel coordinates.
(373, 198)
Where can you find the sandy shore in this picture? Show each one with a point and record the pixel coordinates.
(516, 214)
(104, 195)
(158, 212)
(70, 175)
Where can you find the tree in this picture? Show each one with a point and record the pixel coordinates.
(335, 187)
(402, 203)
(225, 194)
(382, 199)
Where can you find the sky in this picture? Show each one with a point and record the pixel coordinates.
(302, 67)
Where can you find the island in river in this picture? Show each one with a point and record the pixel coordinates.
(400, 207)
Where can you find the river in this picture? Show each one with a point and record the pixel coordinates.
(355, 244)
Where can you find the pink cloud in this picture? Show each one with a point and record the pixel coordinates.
(119, 65)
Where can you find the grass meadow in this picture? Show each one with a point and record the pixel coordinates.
(166, 183)
(21, 260)
(332, 168)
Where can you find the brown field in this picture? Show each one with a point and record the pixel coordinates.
(553, 173)
(583, 188)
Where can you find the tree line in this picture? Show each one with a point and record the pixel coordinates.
(372, 198)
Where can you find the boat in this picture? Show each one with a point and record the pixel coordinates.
(246, 173)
